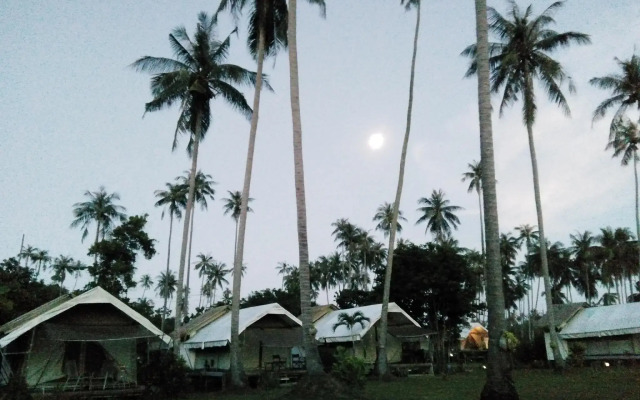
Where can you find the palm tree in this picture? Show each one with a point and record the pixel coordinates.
(217, 278)
(267, 35)
(284, 269)
(384, 218)
(204, 265)
(314, 366)
(233, 206)
(193, 79)
(381, 362)
(474, 175)
(349, 321)
(61, 266)
(29, 253)
(624, 140)
(326, 274)
(165, 288)
(499, 382)
(583, 251)
(146, 282)
(174, 199)
(203, 190)
(625, 88)
(439, 215)
(521, 56)
(43, 259)
(101, 209)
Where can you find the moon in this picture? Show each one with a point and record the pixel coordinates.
(376, 141)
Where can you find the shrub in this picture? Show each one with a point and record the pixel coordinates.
(349, 369)
(165, 376)
(576, 354)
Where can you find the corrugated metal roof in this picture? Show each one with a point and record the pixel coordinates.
(562, 313)
(619, 319)
(204, 319)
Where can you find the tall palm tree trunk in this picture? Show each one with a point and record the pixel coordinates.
(95, 256)
(241, 224)
(164, 307)
(314, 366)
(187, 290)
(499, 384)
(559, 361)
(481, 222)
(381, 356)
(185, 233)
(635, 174)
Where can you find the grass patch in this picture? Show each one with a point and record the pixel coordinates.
(575, 384)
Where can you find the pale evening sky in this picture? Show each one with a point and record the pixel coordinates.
(71, 120)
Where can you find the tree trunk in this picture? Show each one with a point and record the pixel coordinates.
(187, 290)
(635, 173)
(314, 366)
(241, 224)
(559, 362)
(164, 308)
(499, 385)
(481, 222)
(185, 234)
(381, 367)
(95, 256)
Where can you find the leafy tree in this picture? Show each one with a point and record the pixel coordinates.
(20, 291)
(439, 215)
(314, 366)
(499, 384)
(101, 209)
(433, 284)
(474, 175)
(267, 35)
(290, 301)
(384, 218)
(195, 78)
(521, 56)
(381, 361)
(116, 256)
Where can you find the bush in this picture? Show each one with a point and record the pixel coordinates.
(349, 369)
(165, 376)
(16, 389)
(576, 354)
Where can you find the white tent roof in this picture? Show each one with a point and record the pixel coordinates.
(324, 325)
(94, 296)
(619, 319)
(218, 332)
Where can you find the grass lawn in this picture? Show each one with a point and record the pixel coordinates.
(576, 384)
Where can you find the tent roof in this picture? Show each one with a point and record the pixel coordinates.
(324, 326)
(218, 331)
(204, 319)
(619, 319)
(562, 314)
(15, 328)
(474, 326)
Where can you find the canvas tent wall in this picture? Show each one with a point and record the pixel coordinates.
(402, 329)
(605, 332)
(265, 331)
(77, 335)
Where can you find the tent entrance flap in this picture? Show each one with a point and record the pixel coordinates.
(84, 333)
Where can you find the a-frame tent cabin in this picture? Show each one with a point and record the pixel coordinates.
(267, 333)
(92, 335)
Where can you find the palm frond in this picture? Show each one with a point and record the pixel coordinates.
(157, 65)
